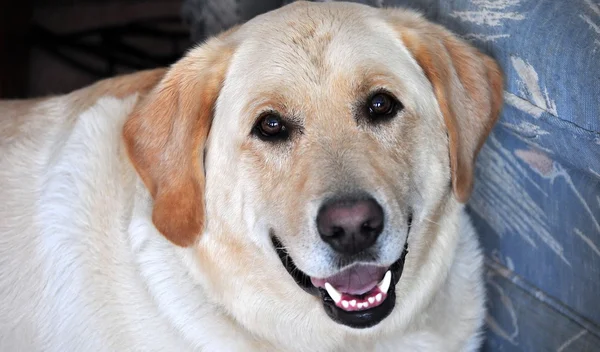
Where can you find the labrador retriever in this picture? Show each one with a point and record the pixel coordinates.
(295, 184)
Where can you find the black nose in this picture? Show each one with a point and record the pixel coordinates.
(350, 225)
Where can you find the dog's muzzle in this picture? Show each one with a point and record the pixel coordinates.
(359, 296)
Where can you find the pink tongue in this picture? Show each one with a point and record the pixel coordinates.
(356, 280)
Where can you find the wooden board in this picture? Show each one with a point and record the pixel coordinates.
(521, 318)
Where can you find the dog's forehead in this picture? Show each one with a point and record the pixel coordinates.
(318, 63)
(312, 47)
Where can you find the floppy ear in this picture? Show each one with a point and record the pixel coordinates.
(165, 138)
(468, 86)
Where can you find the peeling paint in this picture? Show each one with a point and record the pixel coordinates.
(527, 132)
(485, 37)
(510, 264)
(595, 8)
(523, 105)
(549, 169)
(570, 341)
(593, 26)
(502, 259)
(504, 201)
(488, 18)
(530, 86)
(490, 12)
(526, 129)
(496, 4)
(506, 302)
(559, 171)
(530, 143)
(587, 241)
(591, 23)
(538, 161)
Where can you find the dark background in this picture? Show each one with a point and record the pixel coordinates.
(50, 47)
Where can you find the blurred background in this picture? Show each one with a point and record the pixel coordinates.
(55, 46)
(536, 202)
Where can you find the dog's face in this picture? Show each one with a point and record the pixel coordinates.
(334, 144)
(317, 137)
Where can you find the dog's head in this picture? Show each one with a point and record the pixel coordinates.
(323, 136)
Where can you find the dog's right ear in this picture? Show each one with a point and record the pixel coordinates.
(165, 138)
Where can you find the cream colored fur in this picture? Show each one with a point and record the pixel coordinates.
(83, 267)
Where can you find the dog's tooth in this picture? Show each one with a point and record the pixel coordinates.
(371, 300)
(359, 305)
(353, 303)
(345, 304)
(378, 297)
(384, 285)
(365, 304)
(333, 293)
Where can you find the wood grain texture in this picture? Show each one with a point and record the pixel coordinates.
(518, 320)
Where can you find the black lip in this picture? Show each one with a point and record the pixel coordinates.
(369, 317)
(356, 319)
(301, 278)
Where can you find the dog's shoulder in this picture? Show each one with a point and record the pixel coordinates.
(65, 187)
(29, 118)
(33, 131)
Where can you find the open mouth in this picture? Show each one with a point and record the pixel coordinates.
(359, 296)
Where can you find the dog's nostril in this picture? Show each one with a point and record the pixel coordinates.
(350, 225)
(366, 227)
(337, 231)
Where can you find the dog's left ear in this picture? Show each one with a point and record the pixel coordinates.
(468, 86)
(165, 138)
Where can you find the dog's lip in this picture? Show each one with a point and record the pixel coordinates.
(355, 319)
(300, 277)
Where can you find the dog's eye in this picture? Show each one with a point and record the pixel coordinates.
(270, 127)
(383, 105)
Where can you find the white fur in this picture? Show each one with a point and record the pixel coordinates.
(82, 267)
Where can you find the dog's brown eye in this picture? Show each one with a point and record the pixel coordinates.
(271, 127)
(382, 105)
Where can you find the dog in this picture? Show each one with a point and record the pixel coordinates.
(296, 183)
